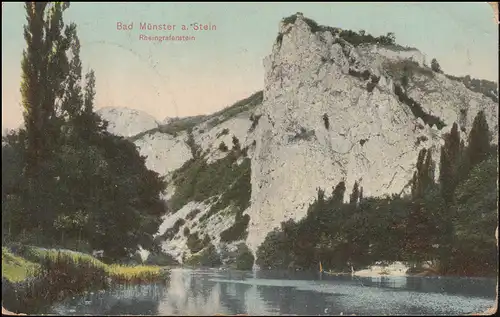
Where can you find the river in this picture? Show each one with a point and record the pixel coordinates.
(208, 292)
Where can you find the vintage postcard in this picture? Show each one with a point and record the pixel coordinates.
(249, 158)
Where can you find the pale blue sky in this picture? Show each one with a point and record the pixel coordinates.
(223, 66)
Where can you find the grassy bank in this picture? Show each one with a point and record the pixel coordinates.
(32, 278)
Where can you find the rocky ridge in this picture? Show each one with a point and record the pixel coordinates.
(330, 110)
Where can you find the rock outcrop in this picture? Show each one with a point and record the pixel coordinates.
(330, 111)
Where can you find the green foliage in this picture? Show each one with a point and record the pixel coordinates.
(195, 148)
(206, 258)
(241, 106)
(198, 181)
(192, 214)
(355, 38)
(171, 232)
(450, 164)
(223, 147)
(238, 231)
(43, 276)
(456, 231)
(161, 259)
(73, 184)
(223, 132)
(173, 128)
(195, 244)
(255, 121)
(476, 220)
(483, 86)
(236, 144)
(15, 268)
(417, 109)
(406, 69)
(435, 66)
(244, 258)
(479, 141)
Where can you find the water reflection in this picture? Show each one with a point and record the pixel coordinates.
(211, 292)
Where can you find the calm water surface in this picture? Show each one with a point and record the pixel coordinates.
(207, 292)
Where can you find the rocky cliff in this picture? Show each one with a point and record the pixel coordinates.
(334, 107)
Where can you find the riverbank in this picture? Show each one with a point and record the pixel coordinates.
(34, 276)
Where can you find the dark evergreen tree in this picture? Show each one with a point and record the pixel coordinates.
(479, 145)
(448, 179)
(355, 193)
(35, 116)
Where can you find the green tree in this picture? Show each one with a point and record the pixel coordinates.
(479, 146)
(449, 163)
(476, 220)
(423, 177)
(355, 193)
(244, 258)
(35, 117)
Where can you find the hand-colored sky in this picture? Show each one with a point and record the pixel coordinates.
(225, 65)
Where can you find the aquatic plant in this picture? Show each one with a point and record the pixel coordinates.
(34, 276)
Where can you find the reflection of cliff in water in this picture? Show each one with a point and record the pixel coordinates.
(197, 293)
(193, 293)
(187, 294)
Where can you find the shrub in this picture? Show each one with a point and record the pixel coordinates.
(161, 259)
(223, 147)
(171, 232)
(244, 258)
(236, 144)
(186, 231)
(420, 139)
(237, 231)
(255, 121)
(237, 193)
(194, 243)
(417, 109)
(197, 180)
(192, 214)
(370, 86)
(435, 66)
(223, 132)
(206, 258)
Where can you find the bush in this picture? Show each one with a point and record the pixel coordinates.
(223, 132)
(237, 231)
(223, 147)
(435, 66)
(161, 259)
(206, 258)
(236, 144)
(255, 121)
(195, 244)
(417, 109)
(192, 214)
(198, 181)
(171, 232)
(244, 258)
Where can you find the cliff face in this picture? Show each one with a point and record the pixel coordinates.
(372, 137)
(329, 111)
